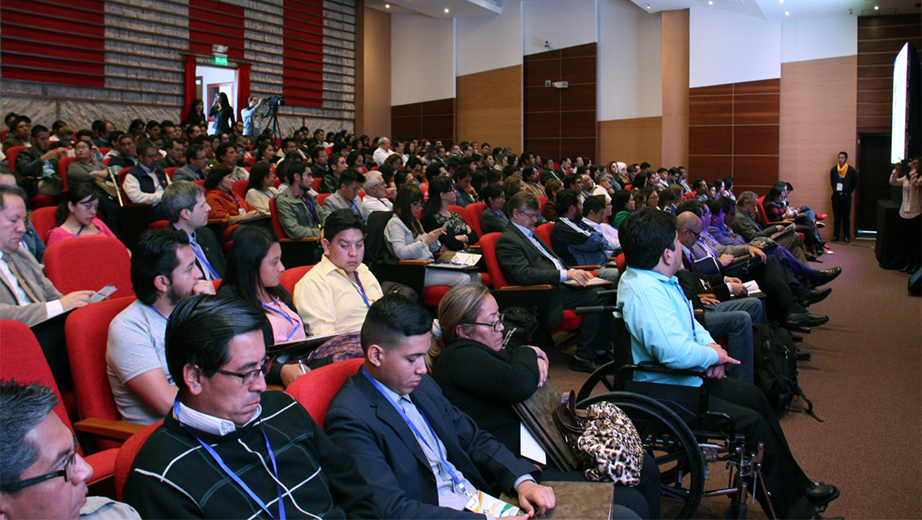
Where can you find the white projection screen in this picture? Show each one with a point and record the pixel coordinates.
(899, 120)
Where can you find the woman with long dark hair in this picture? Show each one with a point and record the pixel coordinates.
(196, 114)
(622, 204)
(254, 267)
(76, 215)
(436, 215)
(136, 129)
(266, 153)
(223, 114)
(261, 188)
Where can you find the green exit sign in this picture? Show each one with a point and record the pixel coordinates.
(220, 60)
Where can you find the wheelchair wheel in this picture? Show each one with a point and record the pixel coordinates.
(671, 443)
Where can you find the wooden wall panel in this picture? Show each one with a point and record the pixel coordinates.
(880, 38)
(631, 140)
(433, 120)
(373, 79)
(574, 107)
(734, 131)
(490, 108)
(817, 121)
(676, 100)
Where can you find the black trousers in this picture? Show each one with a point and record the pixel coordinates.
(595, 332)
(755, 419)
(775, 282)
(842, 213)
(914, 238)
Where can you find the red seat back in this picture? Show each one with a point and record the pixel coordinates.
(762, 214)
(240, 188)
(121, 180)
(11, 156)
(619, 260)
(24, 361)
(105, 150)
(126, 454)
(43, 219)
(158, 224)
(475, 210)
(87, 333)
(544, 233)
(274, 216)
(291, 277)
(315, 183)
(465, 214)
(89, 263)
(542, 200)
(170, 171)
(63, 164)
(488, 248)
(322, 197)
(316, 389)
(250, 160)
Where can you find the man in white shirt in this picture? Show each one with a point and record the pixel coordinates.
(376, 193)
(26, 295)
(596, 211)
(335, 295)
(383, 151)
(145, 182)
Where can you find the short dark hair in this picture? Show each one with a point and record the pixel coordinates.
(644, 235)
(200, 329)
(155, 255)
(293, 168)
(714, 206)
(341, 220)
(13, 191)
(491, 191)
(179, 196)
(594, 204)
(843, 152)
(144, 145)
(222, 149)
(82, 133)
(216, 174)
(565, 200)
(37, 129)
(690, 205)
(22, 408)
(19, 119)
(351, 175)
(392, 319)
(193, 150)
(316, 151)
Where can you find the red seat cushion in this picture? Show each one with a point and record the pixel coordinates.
(570, 321)
(316, 389)
(433, 295)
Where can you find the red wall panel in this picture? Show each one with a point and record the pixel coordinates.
(302, 72)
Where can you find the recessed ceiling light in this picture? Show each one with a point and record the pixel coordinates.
(446, 9)
(787, 13)
(876, 7)
(649, 6)
(780, 1)
(710, 2)
(387, 6)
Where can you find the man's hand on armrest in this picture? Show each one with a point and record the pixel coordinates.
(581, 277)
(535, 499)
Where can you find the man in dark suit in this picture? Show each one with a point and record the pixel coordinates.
(527, 260)
(185, 207)
(843, 179)
(422, 456)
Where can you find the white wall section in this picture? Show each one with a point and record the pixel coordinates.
(818, 38)
(490, 42)
(565, 23)
(422, 59)
(731, 48)
(630, 61)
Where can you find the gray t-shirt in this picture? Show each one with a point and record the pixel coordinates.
(135, 346)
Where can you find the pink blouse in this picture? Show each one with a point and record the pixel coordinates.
(59, 233)
(286, 324)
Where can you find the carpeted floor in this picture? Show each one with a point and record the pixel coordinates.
(864, 381)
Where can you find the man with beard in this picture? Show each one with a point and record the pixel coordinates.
(164, 272)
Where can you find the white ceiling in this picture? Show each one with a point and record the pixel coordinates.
(763, 9)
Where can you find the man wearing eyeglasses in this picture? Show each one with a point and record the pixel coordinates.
(228, 448)
(43, 475)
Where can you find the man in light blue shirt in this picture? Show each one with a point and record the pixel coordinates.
(662, 328)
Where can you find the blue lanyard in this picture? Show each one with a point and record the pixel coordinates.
(217, 458)
(79, 231)
(158, 312)
(355, 208)
(203, 259)
(283, 314)
(310, 207)
(436, 450)
(360, 289)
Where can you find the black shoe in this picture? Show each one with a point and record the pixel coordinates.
(821, 493)
(835, 238)
(826, 276)
(810, 297)
(797, 339)
(604, 358)
(799, 328)
(811, 257)
(581, 365)
(847, 240)
(805, 319)
(908, 269)
(803, 355)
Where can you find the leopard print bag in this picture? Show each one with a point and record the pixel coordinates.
(612, 445)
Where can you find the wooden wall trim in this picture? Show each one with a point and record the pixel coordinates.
(433, 120)
(489, 107)
(880, 38)
(675, 131)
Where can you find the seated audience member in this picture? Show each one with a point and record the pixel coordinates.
(347, 194)
(216, 353)
(552, 188)
(30, 241)
(88, 169)
(658, 317)
(622, 204)
(577, 243)
(261, 188)
(603, 187)
(776, 210)
(483, 379)
(420, 454)
(226, 154)
(650, 198)
(701, 189)
(175, 151)
(596, 212)
(266, 153)
(43, 475)
(185, 207)
(26, 295)
(527, 260)
(458, 235)
(123, 155)
(225, 204)
(40, 162)
(163, 273)
(254, 268)
(747, 225)
(18, 135)
(464, 192)
(407, 240)
(64, 137)
(334, 296)
(76, 216)
(668, 199)
(383, 151)
(330, 180)
(493, 219)
(376, 193)
(145, 182)
(299, 213)
(196, 167)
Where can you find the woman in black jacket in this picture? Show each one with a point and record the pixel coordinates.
(223, 114)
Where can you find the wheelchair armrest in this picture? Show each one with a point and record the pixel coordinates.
(108, 428)
(595, 309)
(540, 287)
(625, 373)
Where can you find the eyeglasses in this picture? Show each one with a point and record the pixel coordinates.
(67, 472)
(530, 215)
(495, 325)
(249, 377)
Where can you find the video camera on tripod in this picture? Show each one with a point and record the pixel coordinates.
(273, 103)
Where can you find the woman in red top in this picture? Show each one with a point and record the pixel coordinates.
(225, 204)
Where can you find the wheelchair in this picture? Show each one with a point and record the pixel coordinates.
(677, 430)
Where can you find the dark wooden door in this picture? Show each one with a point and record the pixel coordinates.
(873, 174)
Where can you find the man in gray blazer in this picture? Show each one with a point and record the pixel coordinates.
(347, 196)
(26, 295)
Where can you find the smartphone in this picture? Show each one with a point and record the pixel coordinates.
(102, 294)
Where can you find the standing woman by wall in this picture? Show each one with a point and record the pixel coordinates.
(911, 211)
(844, 180)
(223, 114)
(196, 115)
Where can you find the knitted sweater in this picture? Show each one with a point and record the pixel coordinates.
(174, 477)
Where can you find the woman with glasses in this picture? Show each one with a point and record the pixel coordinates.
(254, 268)
(76, 216)
(458, 235)
(484, 380)
(407, 240)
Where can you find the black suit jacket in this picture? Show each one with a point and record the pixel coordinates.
(363, 422)
(849, 182)
(523, 264)
(212, 248)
